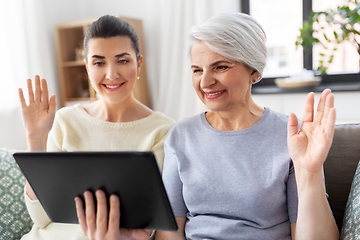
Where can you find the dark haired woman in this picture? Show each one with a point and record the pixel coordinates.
(115, 122)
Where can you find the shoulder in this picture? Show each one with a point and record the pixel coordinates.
(74, 114)
(184, 132)
(156, 123)
(190, 125)
(70, 110)
(161, 118)
(276, 123)
(277, 117)
(157, 120)
(190, 122)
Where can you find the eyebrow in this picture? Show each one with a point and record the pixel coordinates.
(116, 56)
(213, 64)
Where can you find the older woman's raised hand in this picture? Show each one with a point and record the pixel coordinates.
(38, 115)
(309, 147)
(98, 224)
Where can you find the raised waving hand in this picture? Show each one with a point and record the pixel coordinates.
(309, 147)
(38, 115)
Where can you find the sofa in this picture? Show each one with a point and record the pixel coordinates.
(340, 167)
(14, 218)
(339, 170)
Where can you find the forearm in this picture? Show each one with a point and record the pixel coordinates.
(314, 220)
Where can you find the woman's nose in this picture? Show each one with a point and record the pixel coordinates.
(111, 73)
(207, 80)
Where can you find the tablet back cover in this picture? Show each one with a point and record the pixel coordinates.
(58, 177)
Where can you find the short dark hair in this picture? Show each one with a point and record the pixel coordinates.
(109, 26)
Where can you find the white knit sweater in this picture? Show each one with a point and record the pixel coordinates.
(75, 130)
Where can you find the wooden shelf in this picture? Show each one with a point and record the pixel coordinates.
(73, 63)
(74, 82)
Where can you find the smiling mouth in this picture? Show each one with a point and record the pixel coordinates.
(215, 93)
(113, 86)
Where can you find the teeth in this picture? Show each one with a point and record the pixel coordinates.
(216, 93)
(114, 86)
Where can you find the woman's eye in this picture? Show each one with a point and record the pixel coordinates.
(123, 61)
(99, 64)
(196, 71)
(221, 67)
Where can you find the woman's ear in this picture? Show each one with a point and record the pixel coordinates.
(255, 75)
(139, 62)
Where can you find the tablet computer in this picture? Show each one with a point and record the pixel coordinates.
(58, 177)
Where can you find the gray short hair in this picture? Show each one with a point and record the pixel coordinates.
(236, 36)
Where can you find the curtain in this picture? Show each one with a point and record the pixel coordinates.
(174, 94)
(27, 47)
(24, 53)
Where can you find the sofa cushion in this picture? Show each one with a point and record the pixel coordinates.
(340, 167)
(14, 217)
(351, 224)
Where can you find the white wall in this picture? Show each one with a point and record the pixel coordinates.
(51, 13)
(346, 104)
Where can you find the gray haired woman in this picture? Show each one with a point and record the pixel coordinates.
(242, 171)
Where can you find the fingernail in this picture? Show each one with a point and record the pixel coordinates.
(87, 195)
(100, 194)
(113, 198)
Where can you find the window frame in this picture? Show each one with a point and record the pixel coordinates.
(336, 82)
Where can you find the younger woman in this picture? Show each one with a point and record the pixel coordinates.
(115, 122)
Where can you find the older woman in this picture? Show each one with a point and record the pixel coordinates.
(228, 171)
(241, 171)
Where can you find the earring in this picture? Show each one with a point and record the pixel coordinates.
(253, 80)
(137, 78)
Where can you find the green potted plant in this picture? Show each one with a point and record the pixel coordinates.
(330, 28)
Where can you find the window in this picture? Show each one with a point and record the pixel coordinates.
(281, 26)
(281, 20)
(346, 59)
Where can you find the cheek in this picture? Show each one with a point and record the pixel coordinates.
(128, 72)
(92, 75)
(196, 82)
(196, 85)
(95, 75)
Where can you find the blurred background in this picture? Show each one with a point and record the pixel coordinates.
(28, 46)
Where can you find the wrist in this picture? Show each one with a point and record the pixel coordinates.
(309, 180)
(36, 143)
